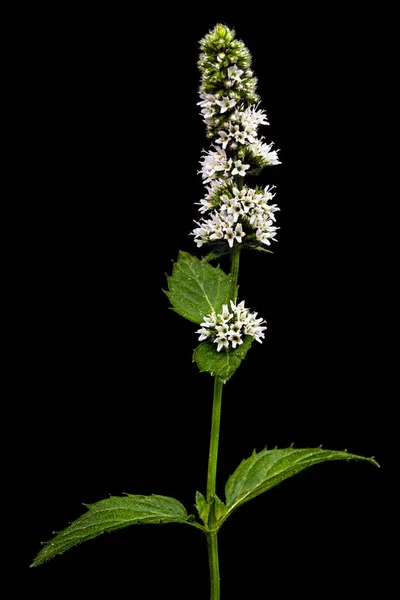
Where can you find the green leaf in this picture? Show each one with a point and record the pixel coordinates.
(262, 249)
(203, 508)
(110, 514)
(196, 288)
(214, 255)
(223, 363)
(268, 468)
(220, 510)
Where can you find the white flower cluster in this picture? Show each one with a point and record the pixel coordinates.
(265, 152)
(230, 108)
(228, 328)
(216, 165)
(242, 126)
(214, 190)
(237, 82)
(246, 206)
(240, 130)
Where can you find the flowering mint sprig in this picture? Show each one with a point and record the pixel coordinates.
(230, 109)
(235, 215)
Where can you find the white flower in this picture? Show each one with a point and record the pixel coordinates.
(206, 100)
(234, 73)
(235, 338)
(225, 315)
(204, 205)
(240, 169)
(247, 203)
(235, 209)
(230, 236)
(226, 103)
(268, 233)
(204, 333)
(222, 329)
(208, 113)
(222, 341)
(241, 137)
(218, 234)
(235, 307)
(223, 139)
(239, 194)
(235, 328)
(209, 320)
(239, 233)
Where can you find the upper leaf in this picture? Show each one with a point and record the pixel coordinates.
(196, 288)
(266, 469)
(113, 513)
(223, 363)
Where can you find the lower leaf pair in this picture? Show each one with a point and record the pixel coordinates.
(254, 476)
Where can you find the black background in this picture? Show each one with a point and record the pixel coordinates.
(114, 403)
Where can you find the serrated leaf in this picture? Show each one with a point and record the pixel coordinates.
(262, 249)
(220, 509)
(214, 255)
(223, 363)
(203, 507)
(196, 288)
(110, 514)
(252, 243)
(266, 469)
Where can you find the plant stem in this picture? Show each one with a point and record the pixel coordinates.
(212, 540)
(215, 422)
(235, 258)
(212, 543)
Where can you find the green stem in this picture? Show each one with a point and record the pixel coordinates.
(211, 532)
(212, 541)
(235, 259)
(215, 422)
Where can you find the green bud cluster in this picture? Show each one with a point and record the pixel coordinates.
(220, 50)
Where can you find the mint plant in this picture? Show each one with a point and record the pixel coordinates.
(233, 216)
